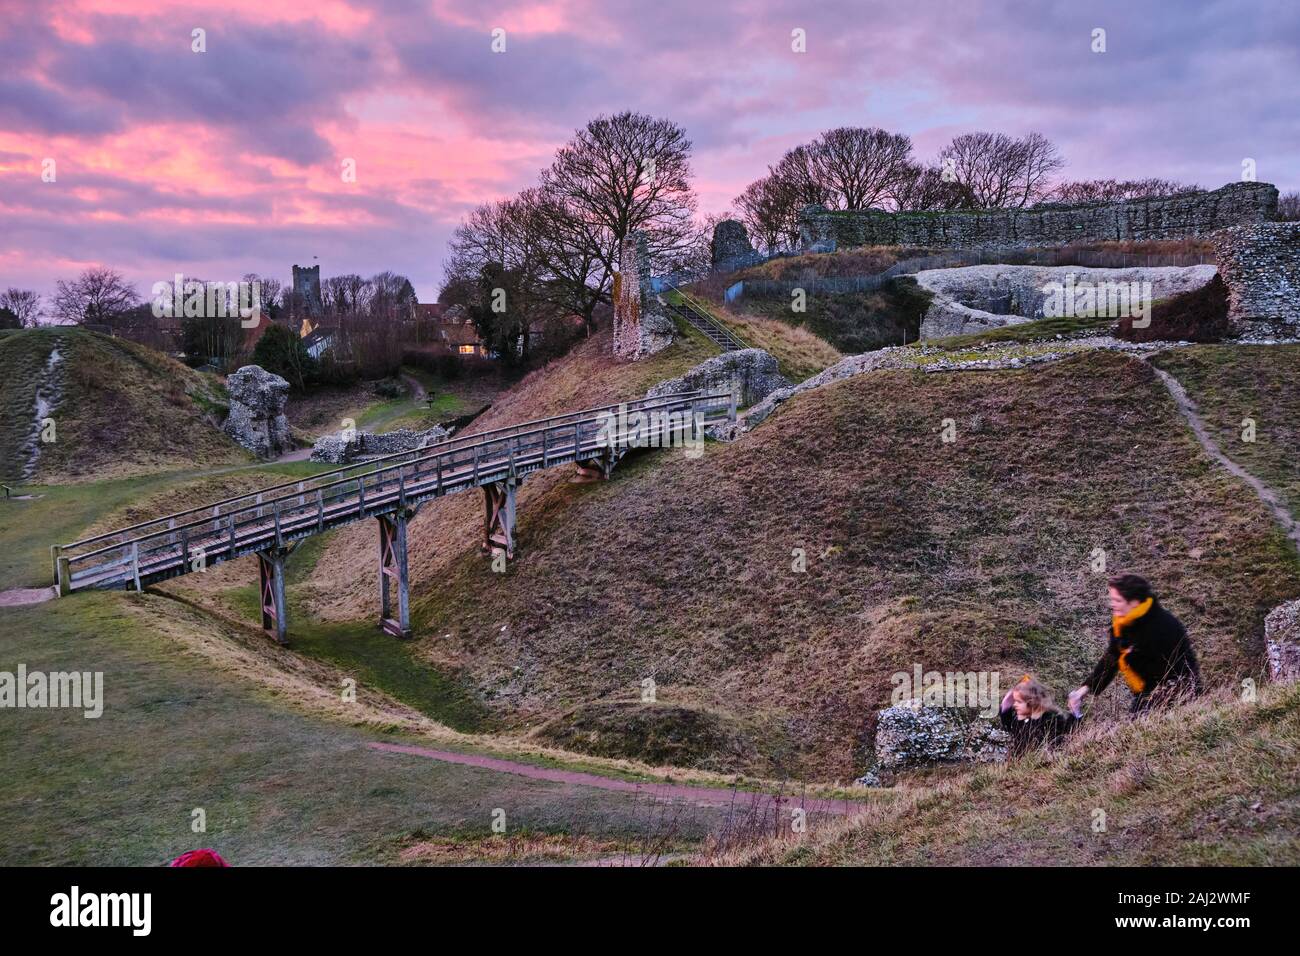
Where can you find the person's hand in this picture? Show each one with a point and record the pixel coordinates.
(1076, 700)
(1006, 699)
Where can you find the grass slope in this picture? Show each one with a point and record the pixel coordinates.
(852, 322)
(1214, 783)
(125, 409)
(1233, 383)
(277, 762)
(971, 555)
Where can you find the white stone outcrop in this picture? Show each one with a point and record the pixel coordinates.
(978, 298)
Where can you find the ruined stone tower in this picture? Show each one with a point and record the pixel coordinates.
(640, 328)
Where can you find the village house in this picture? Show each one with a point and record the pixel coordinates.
(446, 329)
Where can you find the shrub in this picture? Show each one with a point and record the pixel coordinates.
(1197, 316)
(281, 351)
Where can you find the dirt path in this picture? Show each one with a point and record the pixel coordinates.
(745, 800)
(418, 393)
(19, 596)
(1281, 514)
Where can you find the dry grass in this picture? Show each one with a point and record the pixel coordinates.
(529, 848)
(1233, 383)
(973, 555)
(126, 409)
(799, 351)
(1215, 782)
(451, 527)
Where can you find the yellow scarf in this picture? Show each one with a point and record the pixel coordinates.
(1117, 623)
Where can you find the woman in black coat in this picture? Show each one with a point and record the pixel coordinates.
(1147, 648)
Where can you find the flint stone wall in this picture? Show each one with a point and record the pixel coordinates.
(640, 326)
(342, 448)
(1282, 642)
(731, 248)
(911, 735)
(1176, 217)
(751, 374)
(1260, 264)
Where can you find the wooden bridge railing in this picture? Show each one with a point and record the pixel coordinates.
(271, 517)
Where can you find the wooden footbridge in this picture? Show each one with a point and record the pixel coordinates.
(271, 522)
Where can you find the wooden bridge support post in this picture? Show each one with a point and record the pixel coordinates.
(62, 571)
(393, 566)
(594, 469)
(499, 517)
(270, 567)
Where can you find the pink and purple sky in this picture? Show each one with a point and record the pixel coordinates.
(229, 161)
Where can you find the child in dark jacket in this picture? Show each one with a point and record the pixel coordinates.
(1031, 718)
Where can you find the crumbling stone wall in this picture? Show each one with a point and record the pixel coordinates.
(1178, 217)
(731, 248)
(750, 374)
(640, 327)
(256, 419)
(1260, 264)
(345, 447)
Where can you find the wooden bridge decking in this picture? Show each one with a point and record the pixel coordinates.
(392, 488)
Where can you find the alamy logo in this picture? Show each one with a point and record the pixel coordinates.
(657, 428)
(978, 689)
(1112, 300)
(102, 909)
(78, 690)
(192, 299)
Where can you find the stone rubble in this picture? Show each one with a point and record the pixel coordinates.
(343, 448)
(1282, 642)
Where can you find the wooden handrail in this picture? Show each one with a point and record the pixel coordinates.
(459, 442)
(700, 307)
(438, 452)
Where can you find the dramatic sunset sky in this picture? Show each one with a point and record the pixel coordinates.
(225, 162)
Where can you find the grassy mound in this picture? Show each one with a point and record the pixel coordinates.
(197, 713)
(124, 409)
(663, 734)
(1213, 783)
(970, 555)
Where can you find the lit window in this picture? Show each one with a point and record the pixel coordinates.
(467, 350)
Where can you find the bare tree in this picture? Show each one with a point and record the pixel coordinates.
(390, 294)
(271, 290)
(622, 173)
(343, 294)
(1113, 190)
(771, 205)
(995, 171)
(95, 296)
(24, 304)
(923, 188)
(517, 271)
(1039, 161)
(861, 166)
(765, 212)
(566, 255)
(1288, 206)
